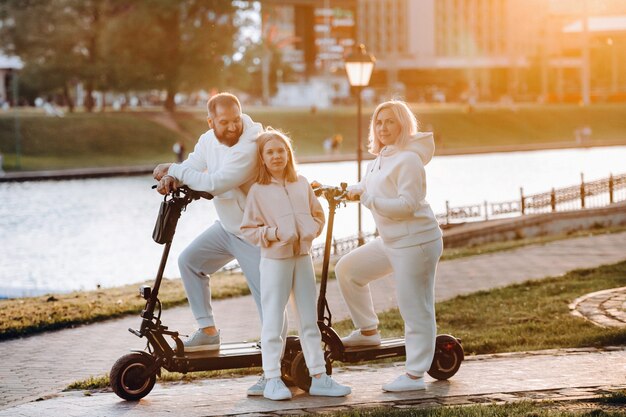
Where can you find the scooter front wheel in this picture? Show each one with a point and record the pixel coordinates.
(131, 378)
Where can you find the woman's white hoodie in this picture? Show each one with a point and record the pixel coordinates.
(394, 189)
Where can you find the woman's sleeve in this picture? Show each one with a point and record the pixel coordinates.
(253, 227)
(411, 183)
(316, 211)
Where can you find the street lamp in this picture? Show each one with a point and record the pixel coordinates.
(359, 67)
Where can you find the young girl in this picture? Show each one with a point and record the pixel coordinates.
(283, 216)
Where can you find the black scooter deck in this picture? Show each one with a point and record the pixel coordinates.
(229, 356)
(388, 348)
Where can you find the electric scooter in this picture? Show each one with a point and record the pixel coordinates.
(448, 349)
(133, 375)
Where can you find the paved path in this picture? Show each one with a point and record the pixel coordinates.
(558, 375)
(605, 308)
(40, 365)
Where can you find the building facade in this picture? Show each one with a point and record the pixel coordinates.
(494, 49)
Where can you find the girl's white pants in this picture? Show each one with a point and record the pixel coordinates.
(414, 270)
(281, 278)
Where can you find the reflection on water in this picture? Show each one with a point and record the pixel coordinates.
(77, 234)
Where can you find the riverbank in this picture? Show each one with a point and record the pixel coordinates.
(146, 137)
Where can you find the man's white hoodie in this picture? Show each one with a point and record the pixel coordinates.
(394, 189)
(226, 172)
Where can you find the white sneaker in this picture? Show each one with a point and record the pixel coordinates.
(325, 386)
(357, 339)
(405, 383)
(200, 341)
(257, 389)
(275, 389)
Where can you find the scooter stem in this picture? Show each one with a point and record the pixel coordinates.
(322, 303)
(157, 284)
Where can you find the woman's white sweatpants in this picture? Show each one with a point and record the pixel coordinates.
(413, 270)
(281, 278)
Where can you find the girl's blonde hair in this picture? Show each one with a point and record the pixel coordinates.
(404, 116)
(263, 176)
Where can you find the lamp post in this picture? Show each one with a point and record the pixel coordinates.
(16, 115)
(359, 67)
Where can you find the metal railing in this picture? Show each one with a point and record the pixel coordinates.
(598, 193)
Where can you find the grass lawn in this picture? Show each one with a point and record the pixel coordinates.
(533, 315)
(24, 316)
(608, 406)
(146, 137)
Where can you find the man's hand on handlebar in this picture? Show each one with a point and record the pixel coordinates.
(167, 184)
(160, 171)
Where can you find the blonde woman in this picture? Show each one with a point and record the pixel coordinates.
(409, 245)
(283, 216)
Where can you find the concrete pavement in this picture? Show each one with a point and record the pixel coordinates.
(558, 375)
(42, 365)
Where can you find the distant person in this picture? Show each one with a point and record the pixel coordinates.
(409, 245)
(179, 150)
(282, 217)
(333, 144)
(223, 163)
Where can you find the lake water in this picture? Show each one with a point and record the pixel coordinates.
(58, 236)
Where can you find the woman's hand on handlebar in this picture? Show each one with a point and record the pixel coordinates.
(167, 184)
(353, 195)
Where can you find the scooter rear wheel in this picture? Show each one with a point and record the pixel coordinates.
(300, 372)
(448, 357)
(129, 378)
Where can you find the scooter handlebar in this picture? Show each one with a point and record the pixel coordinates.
(331, 192)
(192, 194)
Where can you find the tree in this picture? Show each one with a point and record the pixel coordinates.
(179, 45)
(172, 45)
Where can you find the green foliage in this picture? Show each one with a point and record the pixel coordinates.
(172, 45)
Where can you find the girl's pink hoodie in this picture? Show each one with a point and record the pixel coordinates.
(291, 211)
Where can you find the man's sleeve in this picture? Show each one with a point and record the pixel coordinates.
(237, 168)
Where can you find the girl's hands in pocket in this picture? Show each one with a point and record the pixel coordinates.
(285, 237)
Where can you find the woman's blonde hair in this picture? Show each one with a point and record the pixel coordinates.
(404, 116)
(263, 176)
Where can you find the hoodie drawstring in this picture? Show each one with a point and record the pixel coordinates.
(380, 163)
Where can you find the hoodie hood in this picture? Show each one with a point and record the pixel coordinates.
(251, 130)
(422, 143)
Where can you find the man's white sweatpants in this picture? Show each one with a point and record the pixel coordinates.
(414, 270)
(281, 278)
(209, 252)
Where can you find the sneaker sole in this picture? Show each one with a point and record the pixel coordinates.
(277, 398)
(254, 393)
(328, 394)
(352, 344)
(403, 389)
(202, 348)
